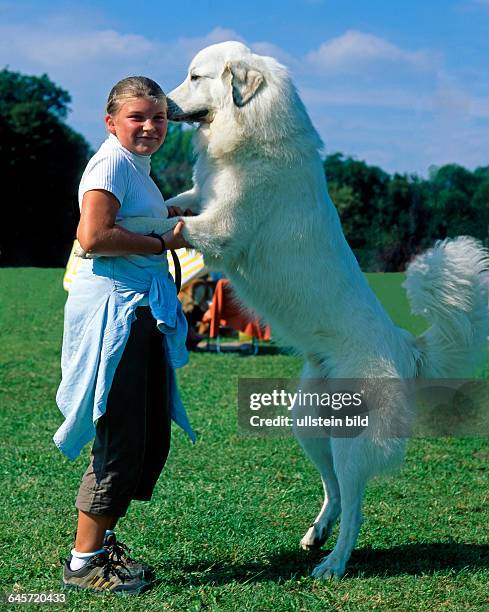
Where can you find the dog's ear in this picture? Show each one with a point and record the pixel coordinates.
(244, 81)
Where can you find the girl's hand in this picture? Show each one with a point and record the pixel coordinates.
(174, 238)
(175, 211)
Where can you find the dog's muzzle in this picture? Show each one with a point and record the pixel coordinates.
(175, 113)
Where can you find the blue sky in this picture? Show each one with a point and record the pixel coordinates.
(404, 85)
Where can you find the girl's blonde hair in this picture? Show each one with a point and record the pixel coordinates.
(133, 87)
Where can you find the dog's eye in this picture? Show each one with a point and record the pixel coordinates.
(194, 77)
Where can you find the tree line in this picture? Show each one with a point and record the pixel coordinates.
(386, 218)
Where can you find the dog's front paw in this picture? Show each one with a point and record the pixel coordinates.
(328, 568)
(315, 537)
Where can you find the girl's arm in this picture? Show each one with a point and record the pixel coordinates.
(98, 232)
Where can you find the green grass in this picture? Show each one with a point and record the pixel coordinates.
(224, 525)
(388, 289)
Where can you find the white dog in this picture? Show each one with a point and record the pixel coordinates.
(267, 221)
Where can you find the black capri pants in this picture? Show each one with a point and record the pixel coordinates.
(132, 438)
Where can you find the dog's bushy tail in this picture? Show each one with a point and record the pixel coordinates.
(449, 285)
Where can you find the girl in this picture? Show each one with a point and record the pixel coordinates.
(124, 334)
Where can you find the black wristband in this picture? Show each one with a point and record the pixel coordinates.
(160, 238)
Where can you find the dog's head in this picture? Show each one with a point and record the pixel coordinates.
(239, 97)
(218, 76)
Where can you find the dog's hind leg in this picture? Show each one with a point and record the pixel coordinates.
(319, 452)
(352, 471)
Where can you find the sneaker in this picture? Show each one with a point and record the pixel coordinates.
(100, 573)
(119, 553)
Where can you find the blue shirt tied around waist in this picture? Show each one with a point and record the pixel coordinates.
(98, 314)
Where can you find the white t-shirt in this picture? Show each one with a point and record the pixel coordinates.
(126, 176)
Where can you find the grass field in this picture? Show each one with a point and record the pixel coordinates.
(228, 513)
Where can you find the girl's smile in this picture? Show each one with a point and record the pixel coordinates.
(139, 124)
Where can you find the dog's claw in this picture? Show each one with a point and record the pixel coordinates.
(315, 544)
(328, 569)
(317, 534)
(314, 538)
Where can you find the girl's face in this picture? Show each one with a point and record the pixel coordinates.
(140, 125)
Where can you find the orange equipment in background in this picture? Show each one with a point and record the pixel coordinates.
(225, 311)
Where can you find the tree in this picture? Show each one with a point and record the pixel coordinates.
(358, 190)
(480, 208)
(41, 161)
(171, 166)
(16, 88)
(388, 219)
(401, 223)
(455, 207)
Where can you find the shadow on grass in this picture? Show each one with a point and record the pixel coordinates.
(409, 559)
(245, 350)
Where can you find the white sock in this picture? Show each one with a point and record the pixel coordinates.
(79, 559)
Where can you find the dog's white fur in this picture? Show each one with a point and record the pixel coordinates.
(267, 221)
